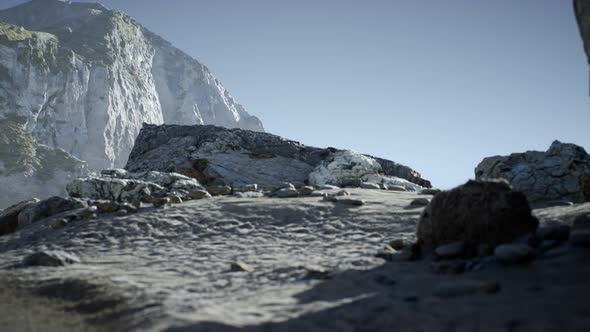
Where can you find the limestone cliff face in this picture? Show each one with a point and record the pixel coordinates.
(85, 78)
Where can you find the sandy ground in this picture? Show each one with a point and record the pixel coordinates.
(172, 269)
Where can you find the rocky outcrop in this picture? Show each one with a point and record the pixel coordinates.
(85, 77)
(235, 157)
(117, 185)
(28, 169)
(476, 213)
(582, 12)
(560, 173)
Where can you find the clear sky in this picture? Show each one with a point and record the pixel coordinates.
(436, 85)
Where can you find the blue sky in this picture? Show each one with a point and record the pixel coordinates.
(436, 85)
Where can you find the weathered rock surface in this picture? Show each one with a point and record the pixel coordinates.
(478, 212)
(48, 207)
(560, 173)
(85, 77)
(221, 156)
(121, 186)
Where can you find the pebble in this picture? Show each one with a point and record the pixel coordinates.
(396, 188)
(50, 258)
(175, 199)
(160, 201)
(328, 187)
(369, 185)
(249, 194)
(318, 193)
(397, 244)
(219, 190)
(287, 193)
(513, 253)
(306, 190)
(317, 272)
(239, 266)
(451, 250)
(420, 202)
(347, 201)
(122, 212)
(199, 194)
(246, 187)
(343, 193)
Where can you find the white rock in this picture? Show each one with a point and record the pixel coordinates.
(344, 166)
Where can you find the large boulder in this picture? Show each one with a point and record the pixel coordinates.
(342, 168)
(9, 217)
(47, 208)
(560, 173)
(221, 156)
(478, 212)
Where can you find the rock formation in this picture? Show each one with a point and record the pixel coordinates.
(476, 213)
(220, 156)
(85, 77)
(560, 173)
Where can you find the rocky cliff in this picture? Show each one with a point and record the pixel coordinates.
(85, 78)
(582, 12)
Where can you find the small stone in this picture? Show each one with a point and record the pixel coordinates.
(513, 253)
(342, 193)
(287, 193)
(558, 233)
(397, 244)
(219, 190)
(121, 213)
(394, 187)
(369, 185)
(317, 272)
(286, 185)
(50, 258)
(239, 266)
(249, 194)
(175, 199)
(246, 187)
(580, 237)
(451, 250)
(420, 202)
(351, 201)
(329, 187)
(318, 193)
(159, 202)
(430, 191)
(306, 190)
(199, 194)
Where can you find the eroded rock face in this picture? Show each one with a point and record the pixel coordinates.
(220, 156)
(478, 212)
(85, 77)
(560, 173)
